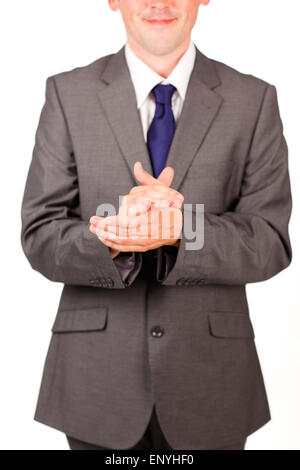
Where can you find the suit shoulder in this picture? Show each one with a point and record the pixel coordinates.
(82, 74)
(240, 80)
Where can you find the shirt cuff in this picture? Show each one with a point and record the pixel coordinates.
(128, 265)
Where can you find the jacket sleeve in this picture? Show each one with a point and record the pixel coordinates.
(250, 243)
(55, 239)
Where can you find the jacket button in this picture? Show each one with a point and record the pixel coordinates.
(157, 331)
(110, 282)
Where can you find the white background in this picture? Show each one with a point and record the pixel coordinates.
(42, 38)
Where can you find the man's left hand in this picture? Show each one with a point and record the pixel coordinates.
(147, 231)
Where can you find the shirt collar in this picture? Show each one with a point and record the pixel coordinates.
(144, 78)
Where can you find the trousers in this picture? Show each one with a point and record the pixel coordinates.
(153, 439)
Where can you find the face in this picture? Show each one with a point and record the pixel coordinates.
(158, 27)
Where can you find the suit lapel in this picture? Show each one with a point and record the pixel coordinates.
(118, 100)
(199, 110)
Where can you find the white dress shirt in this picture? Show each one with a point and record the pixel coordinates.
(144, 79)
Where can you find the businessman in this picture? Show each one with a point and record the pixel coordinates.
(152, 346)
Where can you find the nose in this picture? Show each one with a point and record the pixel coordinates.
(160, 4)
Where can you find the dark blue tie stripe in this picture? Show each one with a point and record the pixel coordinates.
(161, 131)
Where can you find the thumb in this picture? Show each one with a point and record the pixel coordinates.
(166, 176)
(142, 175)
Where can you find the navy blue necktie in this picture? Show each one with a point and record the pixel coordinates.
(162, 128)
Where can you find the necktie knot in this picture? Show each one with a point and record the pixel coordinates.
(163, 93)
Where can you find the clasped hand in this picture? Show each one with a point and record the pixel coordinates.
(149, 216)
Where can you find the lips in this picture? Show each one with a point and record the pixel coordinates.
(161, 21)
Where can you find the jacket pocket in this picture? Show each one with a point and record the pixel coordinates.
(230, 325)
(84, 319)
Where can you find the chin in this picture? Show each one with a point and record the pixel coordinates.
(161, 49)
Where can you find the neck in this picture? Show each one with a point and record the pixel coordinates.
(161, 64)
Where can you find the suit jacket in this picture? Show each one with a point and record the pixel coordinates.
(184, 342)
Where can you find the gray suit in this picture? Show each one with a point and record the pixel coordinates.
(185, 341)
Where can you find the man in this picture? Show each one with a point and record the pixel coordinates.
(152, 346)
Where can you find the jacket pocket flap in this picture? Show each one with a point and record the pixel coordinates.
(86, 319)
(230, 325)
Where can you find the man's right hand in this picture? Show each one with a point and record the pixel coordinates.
(152, 191)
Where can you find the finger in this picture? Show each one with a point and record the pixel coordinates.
(139, 204)
(103, 225)
(176, 204)
(131, 244)
(110, 241)
(159, 188)
(107, 235)
(139, 207)
(119, 222)
(129, 201)
(123, 231)
(166, 176)
(162, 204)
(95, 220)
(139, 188)
(116, 246)
(118, 241)
(156, 195)
(164, 192)
(101, 222)
(93, 229)
(124, 206)
(123, 248)
(112, 229)
(142, 175)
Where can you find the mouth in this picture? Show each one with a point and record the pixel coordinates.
(161, 22)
